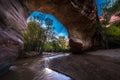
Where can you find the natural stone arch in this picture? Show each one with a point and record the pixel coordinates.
(79, 17)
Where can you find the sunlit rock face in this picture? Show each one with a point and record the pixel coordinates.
(78, 16)
(12, 25)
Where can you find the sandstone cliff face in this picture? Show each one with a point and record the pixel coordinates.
(12, 25)
(78, 16)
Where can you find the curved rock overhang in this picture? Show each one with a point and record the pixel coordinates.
(78, 16)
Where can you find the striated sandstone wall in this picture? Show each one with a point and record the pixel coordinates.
(12, 25)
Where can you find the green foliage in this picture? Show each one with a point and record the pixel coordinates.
(34, 37)
(62, 41)
(104, 23)
(113, 31)
(48, 47)
(115, 7)
(111, 6)
(57, 45)
(52, 47)
(113, 36)
(39, 39)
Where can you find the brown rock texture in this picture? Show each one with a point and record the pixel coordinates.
(12, 25)
(78, 16)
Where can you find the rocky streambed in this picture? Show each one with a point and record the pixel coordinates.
(90, 66)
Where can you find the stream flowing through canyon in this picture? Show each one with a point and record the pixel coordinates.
(35, 69)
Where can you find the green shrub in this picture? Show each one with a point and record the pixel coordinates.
(113, 36)
(113, 31)
(54, 46)
(34, 37)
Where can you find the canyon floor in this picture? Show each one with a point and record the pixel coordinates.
(96, 65)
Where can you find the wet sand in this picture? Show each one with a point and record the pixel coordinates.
(97, 65)
(113, 53)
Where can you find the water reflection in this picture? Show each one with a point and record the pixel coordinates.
(46, 57)
(35, 69)
(48, 74)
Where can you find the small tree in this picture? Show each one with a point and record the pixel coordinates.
(34, 37)
(109, 8)
(62, 41)
(49, 29)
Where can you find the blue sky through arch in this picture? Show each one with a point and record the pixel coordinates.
(98, 4)
(59, 29)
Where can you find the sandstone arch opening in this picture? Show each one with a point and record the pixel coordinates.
(45, 33)
(80, 19)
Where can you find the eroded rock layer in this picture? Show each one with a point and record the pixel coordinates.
(12, 25)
